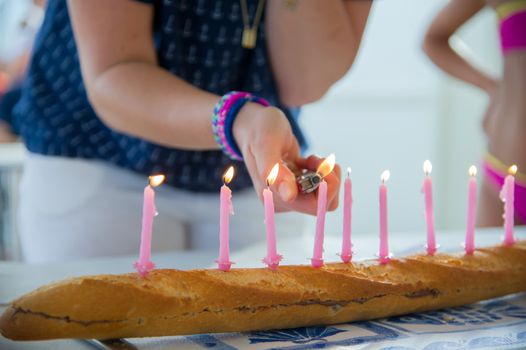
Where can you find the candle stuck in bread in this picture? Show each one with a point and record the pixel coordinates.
(384, 255)
(324, 169)
(273, 258)
(472, 206)
(346, 254)
(226, 209)
(144, 265)
(507, 195)
(427, 189)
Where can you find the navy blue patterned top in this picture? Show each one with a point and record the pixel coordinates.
(197, 40)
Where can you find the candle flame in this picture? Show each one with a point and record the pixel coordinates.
(386, 174)
(472, 171)
(427, 167)
(512, 170)
(156, 180)
(327, 165)
(273, 174)
(229, 174)
(349, 171)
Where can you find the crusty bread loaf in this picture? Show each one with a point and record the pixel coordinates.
(173, 302)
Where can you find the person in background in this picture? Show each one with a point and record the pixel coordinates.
(505, 119)
(119, 90)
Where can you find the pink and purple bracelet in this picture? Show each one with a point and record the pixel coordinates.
(223, 118)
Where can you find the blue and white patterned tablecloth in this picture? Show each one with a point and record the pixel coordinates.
(495, 324)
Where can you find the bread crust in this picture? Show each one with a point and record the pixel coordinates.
(174, 302)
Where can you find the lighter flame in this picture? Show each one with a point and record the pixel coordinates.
(472, 171)
(273, 174)
(427, 167)
(229, 174)
(512, 170)
(385, 176)
(327, 165)
(156, 180)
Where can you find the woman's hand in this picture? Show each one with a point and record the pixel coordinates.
(265, 138)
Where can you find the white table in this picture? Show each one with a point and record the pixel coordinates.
(17, 278)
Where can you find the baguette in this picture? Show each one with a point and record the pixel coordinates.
(174, 302)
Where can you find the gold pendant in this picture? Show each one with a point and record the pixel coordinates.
(249, 38)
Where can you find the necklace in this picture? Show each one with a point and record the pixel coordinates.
(250, 32)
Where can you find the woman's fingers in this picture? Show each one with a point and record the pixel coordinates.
(333, 188)
(333, 179)
(266, 157)
(285, 188)
(259, 167)
(310, 163)
(305, 203)
(285, 184)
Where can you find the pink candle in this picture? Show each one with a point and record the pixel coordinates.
(226, 209)
(507, 194)
(346, 254)
(323, 170)
(384, 255)
(317, 257)
(144, 264)
(472, 205)
(273, 258)
(427, 188)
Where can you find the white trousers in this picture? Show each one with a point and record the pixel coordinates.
(76, 209)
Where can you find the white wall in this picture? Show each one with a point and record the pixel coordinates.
(393, 111)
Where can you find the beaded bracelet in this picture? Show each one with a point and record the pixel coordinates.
(225, 113)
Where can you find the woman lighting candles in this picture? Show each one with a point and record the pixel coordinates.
(120, 90)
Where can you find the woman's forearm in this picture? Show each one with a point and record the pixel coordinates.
(146, 101)
(441, 53)
(311, 46)
(124, 83)
(436, 42)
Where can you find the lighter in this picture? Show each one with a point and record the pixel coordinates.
(308, 181)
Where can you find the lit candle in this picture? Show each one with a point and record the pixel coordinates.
(317, 258)
(323, 170)
(427, 188)
(226, 209)
(273, 258)
(346, 254)
(507, 195)
(384, 255)
(144, 264)
(472, 204)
